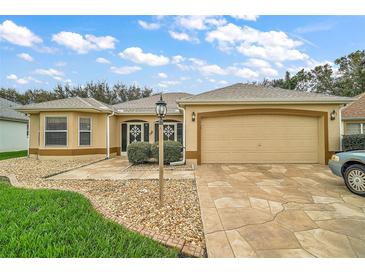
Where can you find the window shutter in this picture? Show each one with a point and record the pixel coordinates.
(180, 136)
(124, 137)
(146, 129)
(156, 132)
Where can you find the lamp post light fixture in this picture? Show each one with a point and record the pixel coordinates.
(161, 111)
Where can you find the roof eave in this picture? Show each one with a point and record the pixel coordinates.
(14, 119)
(37, 110)
(252, 102)
(353, 118)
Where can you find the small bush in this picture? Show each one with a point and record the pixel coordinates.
(139, 152)
(353, 142)
(172, 151)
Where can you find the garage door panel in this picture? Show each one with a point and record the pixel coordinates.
(306, 158)
(259, 139)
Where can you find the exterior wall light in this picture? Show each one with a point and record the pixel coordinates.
(193, 116)
(333, 115)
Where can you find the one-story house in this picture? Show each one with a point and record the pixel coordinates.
(13, 127)
(353, 116)
(240, 123)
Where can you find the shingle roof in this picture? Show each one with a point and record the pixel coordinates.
(69, 103)
(356, 109)
(147, 105)
(253, 93)
(7, 111)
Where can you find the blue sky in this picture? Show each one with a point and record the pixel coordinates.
(168, 53)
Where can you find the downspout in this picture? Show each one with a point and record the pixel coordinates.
(108, 135)
(341, 126)
(28, 134)
(182, 162)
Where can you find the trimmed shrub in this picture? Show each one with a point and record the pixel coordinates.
(353, 142)
(172, 151)
(139, 152)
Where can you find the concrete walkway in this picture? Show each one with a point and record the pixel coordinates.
(117, 169)
(279, 211)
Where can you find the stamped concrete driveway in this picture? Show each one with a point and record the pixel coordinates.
(279, 211)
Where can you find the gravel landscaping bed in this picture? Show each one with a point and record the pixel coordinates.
(133, 202)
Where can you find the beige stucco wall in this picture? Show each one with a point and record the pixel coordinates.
(34, 131)
(333, 125)
(151, 119)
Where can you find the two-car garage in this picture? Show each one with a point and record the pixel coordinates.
(260, 139)
(245, 123)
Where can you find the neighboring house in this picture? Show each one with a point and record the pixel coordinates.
(13, 127)
(353, 116)
(236, 124)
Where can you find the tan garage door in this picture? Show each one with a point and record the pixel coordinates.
(259, 139)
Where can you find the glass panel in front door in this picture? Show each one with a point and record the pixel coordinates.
(169, 132)
(135, 133)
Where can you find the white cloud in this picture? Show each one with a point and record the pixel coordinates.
(262, 66)
(222, 82)
(60, 64)
(49, 72)
(177, 59)
(246, 17)
(212, 69)
(137, 55)
(165, 84)
(18, 35)
(25, 57)
(199, 22)
(272, 53)
(125, 70)
(270, 45)
(162, 75)
(149, 26)
(102, 60)
(22, 81)
(84, 44)
(182, 36)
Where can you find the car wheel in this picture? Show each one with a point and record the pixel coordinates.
(355, 179)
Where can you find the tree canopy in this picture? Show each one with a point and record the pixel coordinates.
(345, 78)
(101, 91)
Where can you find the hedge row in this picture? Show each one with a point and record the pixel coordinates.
(142, 152)
(353, 142)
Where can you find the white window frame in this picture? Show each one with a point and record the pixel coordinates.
(91, 130)
(134, 123)
(45, 130)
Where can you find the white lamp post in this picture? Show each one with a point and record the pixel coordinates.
(161, 111)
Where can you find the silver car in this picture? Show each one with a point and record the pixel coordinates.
(351, 166)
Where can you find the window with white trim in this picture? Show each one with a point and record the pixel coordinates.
(355, 128)
(55, 133)
(84, 131)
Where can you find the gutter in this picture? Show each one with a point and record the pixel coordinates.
(182, 162)
(263, 102)
(108, 135)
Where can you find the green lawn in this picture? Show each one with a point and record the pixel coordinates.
(52, 223)
(13, 154)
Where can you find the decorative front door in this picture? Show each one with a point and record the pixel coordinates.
(135, 133)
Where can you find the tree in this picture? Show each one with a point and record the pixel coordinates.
(100, 91)
(351, 74)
